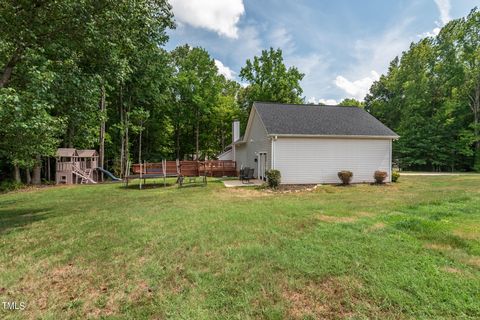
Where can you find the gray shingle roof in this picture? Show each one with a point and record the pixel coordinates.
(294, 119)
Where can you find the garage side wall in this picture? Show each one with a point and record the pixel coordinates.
(318, 160)
(257, 141)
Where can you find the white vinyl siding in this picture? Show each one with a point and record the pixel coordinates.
(227, 155)
(318, 160)
(240, 155)
(256, 141)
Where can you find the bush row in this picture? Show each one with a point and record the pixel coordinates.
(274, 177)
(346, 176)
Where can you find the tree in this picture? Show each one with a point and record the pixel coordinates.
(431, 95)
(88, 49)
(197, 89)
(270, 80)
(27, 129)
(351, 102)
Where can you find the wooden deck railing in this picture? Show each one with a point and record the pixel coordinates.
(211, 168)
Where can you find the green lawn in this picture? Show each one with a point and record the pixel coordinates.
(408, 250)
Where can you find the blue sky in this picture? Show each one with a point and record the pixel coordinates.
(342, 46)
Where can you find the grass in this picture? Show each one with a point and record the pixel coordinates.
(408, 250)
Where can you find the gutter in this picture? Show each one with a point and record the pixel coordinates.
(273, 135)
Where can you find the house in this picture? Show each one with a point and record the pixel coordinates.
(311, 144)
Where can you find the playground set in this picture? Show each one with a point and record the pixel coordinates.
(78, 167)
(81, 167)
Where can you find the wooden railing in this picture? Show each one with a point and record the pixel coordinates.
(65, 166)
(188, 168)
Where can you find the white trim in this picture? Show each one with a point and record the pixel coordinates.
(390, 160)
(272, 156)
(258, 164)
(332, 136)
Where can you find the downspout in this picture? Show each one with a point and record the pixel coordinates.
(272, 165)
(390, 156)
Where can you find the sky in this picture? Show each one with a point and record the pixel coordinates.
(341, 46)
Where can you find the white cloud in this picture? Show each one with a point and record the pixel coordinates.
(328, 102)
(248, 45)
(220, 16)
(444, 8)
(357, 88)
(316, 68)
(281, 38)
(224, 70)
(432, 33)
(312, 100)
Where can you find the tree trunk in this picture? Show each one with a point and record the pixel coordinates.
(222, 141)
(122, 133)
(197, 134)
(37, 171)
(140, 146)
(28, 177)
(8, 69)
(475, 106)
(16, 174)
(127, 146)
(177, 141)
(49, 175)
(71, 134)
(101, 157)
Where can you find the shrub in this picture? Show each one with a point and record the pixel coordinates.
(8, 185)
(395, 176)
(380, 176)
(273, 178)
(345, 176)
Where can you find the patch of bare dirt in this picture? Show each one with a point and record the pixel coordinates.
(468, 235)
(246, 193)
(287, 188)
(472, 261)
(376, 226)
(438, 246)
(335, 219)
(451, 270)
(332, 298)
(67, 289)
(365, 214)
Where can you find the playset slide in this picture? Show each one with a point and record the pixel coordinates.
(109, 174)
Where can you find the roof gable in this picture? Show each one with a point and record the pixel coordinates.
(88, 153)
(313, 120)
(66, 152)
(248, 130)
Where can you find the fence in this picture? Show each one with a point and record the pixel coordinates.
(188, 168)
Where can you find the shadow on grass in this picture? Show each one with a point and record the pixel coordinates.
(431, 230)
(18, 218)
(149, 186)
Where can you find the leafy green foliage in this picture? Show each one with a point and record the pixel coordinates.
(395, 176)
(270, 80)
(350, 102)
(274, 178)
(431, 98)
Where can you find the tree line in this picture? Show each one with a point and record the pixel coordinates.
(95, 74)
(431, 97)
